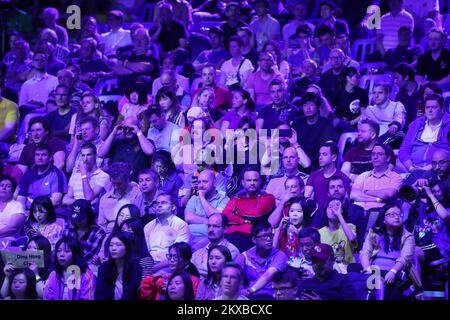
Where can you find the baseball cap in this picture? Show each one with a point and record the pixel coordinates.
(116, 13)
(196, 112)
(81, 209)
(322, 252)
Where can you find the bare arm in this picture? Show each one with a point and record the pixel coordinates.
(8, 130)
(14, 225)
(56, 198)
(59, 160)
(68, 198)
(192, 218)
(265, 278)
(104, 148)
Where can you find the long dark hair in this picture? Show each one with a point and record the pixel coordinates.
(77, 255)
(250, 105)
(138, 237)
(344, 211)
(111, 269)
(306, 215)
(30, 292)
(135, 213)
(348, 72)
(188, 286)
(46, 203)
(211, 277)
(184, 251)
(166, 92)
(395, 245)
(44, 244)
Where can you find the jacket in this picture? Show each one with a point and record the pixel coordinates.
(420, 152)
(106, 282)
(54, 287)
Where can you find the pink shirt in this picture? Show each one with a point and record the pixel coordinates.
(369, 181)
(261, 87)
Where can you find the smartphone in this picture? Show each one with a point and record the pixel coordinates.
(285, 133)
(308, 291)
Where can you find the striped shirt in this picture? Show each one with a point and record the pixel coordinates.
(390, 25)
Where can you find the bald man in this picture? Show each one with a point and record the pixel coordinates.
(329, 79)
(440, 170)
(206, 202)
(127, 143)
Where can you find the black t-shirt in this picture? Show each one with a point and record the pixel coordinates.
(131, 152)
(411, 103)
(343, 102)
(329, 83)
(60, 123)
(434, 69)
(130, 81)
(272, 115)
(94, 65)
(252, 55)
(229, 31)
(169, 37)
(310, 137)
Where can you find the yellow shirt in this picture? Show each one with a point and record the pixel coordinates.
(341, 246)
(8, 113)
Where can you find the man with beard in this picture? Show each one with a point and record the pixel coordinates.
(248, 205)
(202, 205)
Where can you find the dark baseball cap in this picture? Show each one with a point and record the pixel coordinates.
(322, 252)
(116, 13)
(81, 209)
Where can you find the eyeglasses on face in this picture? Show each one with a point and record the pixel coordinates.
(394, 214)
(264, 236)
(282, 289)
(171, 257)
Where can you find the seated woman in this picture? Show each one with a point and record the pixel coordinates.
(42, 221)
(135, 227)
(209, 288)
(179, 287)
(242, 106)
(171, 182)
(21, 284)
(390, 248)
(168, 102)
(120, 276)
(339, 234)
(12, 213)
(179, 257)
(69, 260)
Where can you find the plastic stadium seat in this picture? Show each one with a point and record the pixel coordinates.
(361, 47)
(104, 86)
(345, 139)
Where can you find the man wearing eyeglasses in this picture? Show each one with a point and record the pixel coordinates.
(285, 285)
(329, 79)
(262, 262)
(372, 189)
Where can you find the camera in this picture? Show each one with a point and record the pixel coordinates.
(80, 136)
(285, 133)
(410, 194)
(125, 129)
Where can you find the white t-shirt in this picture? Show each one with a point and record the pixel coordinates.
(12, 208)
(231, 71)
(98, 178)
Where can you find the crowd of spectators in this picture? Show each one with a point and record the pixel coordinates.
(225, 150)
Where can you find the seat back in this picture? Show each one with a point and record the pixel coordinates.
(104, 86)
(361, 47)
(345, 139)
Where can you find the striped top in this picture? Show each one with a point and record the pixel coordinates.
(390, 25)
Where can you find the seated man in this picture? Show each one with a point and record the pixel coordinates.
(43, 179)
(163, 133)
(149, 185)
(425, 134)
(318, 180)
(262, 262)
(123, 191)
(34, 92)
(217, 55)
(384, 111)
(290, 164)
(440, 170)
(231, 282)
(90, 130)
(327, 283)
(313, 129)
(165, 230)
(88, 181)
(39, 133)
(127, 143)
(168, 65)
(248, 205)
(60, 118)
(359, 159)
(372, 189)
(92, 68)
(285, 285)
(116, 37)
(403, 52)
(217, 227)
(202, 205)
